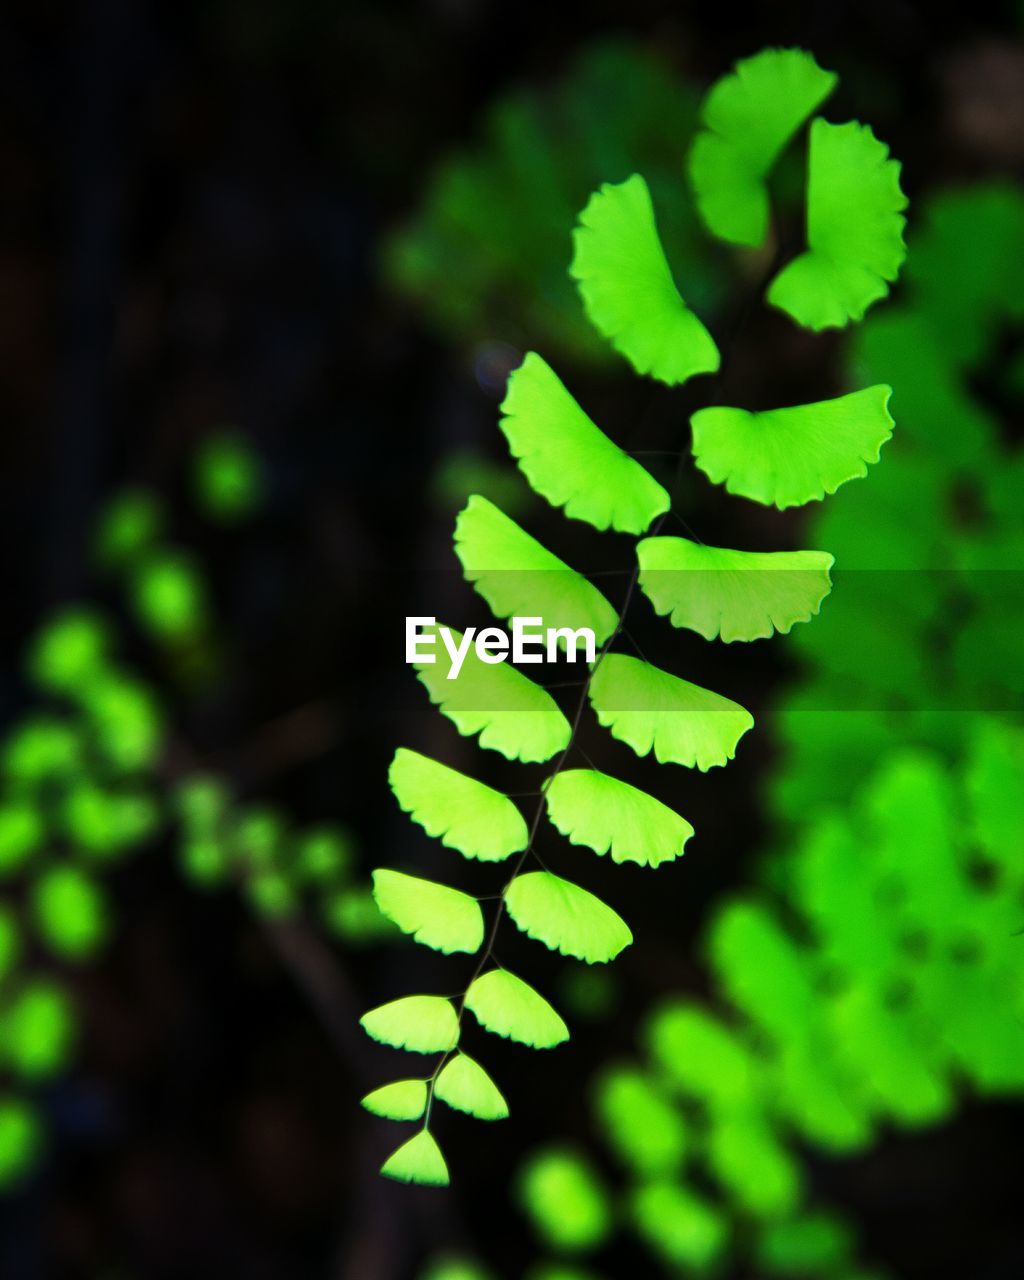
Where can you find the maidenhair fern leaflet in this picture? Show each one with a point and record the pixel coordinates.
(779, 456)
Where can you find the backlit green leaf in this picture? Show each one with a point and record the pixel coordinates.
(519, 577)
(466, 1086)
(794, 455)
(509, 712)
(400, 1100)
(854, 229)
(419, 1160)
(423, 1024)
(748, 117)
(627, 287)
(607, 815)
(505, 1005)
(647, 708)
(566, 918)
(439, 917)
(569, 460)
(739, 595)
(465, 814)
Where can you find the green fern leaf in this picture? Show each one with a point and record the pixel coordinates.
(519, 577)
(419, 1160)
(740, 595)
(854, 230)
(627, 286)
(422, 1024)
(566, 918)
(647, 708)
(509, 712)
(401, 1100)
(466, 1086)
(570, 461)
(467, 815)
(505, 1005)
(749, 116)
(437, 916)
(794, 455)
(593, 809)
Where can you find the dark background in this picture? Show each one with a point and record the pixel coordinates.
(193, 196)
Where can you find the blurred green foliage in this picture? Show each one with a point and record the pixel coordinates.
(486, 256)
(85, 784)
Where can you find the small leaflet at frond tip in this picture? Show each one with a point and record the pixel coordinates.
(466, 1086)
(568, 459)
(791, 456)
(607, 815)
(566, 918)
(464, 814)
(855, 226)
(738, 595)
(627, 286)
(401, 1100)
(507, 1006)
(437, 916)
(749, 116)
(419, 1160)
(648, 708)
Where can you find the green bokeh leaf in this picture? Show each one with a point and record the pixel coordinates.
(20, 1138)
(854, 230)
(38, 1027)
(466, 1086)
(570, 461)
(70, 912)
(465, 814)
(640, 1122)
(794, 455)
(686, 1230)
(505, 1005)
(437, 916)
(627, 287)
(423, 1024)
(566, 918)
(607, 815)
(738, 595)
(748, 118)
(566, 1202)
(648, 708)
(519, 577)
